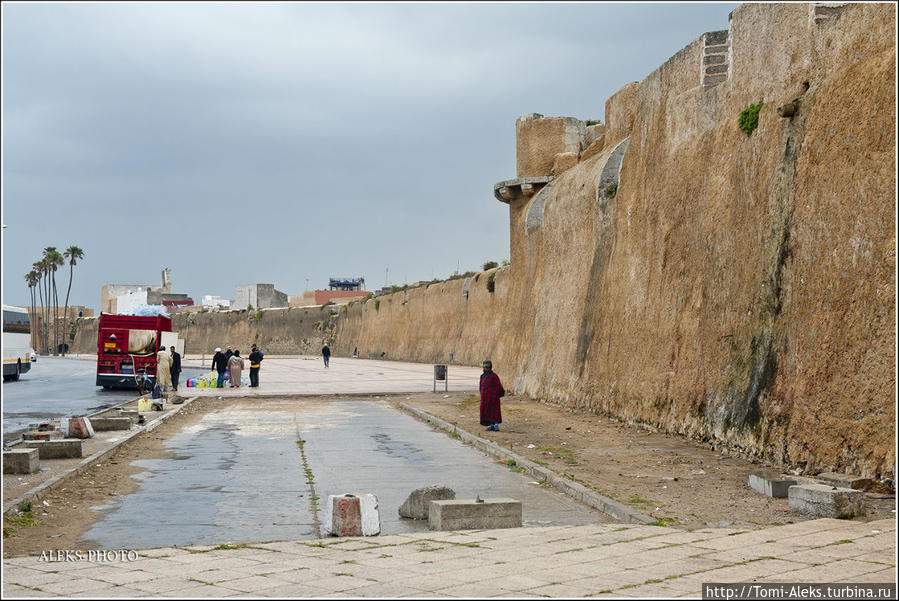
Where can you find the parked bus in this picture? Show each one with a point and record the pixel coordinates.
(16, 342)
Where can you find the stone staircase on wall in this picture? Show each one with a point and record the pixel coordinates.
(824, 12)
(715, 58)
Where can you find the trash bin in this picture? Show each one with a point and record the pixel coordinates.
(441, 375)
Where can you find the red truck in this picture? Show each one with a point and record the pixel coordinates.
(126, 346)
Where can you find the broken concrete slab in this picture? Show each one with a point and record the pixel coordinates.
(56, 449)
(21, 461)
(845, 481)
(823, 501)
(770, 483)
(418, 503)
(468, 514)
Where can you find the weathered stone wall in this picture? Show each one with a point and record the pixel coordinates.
(291, 331)
(734, 289)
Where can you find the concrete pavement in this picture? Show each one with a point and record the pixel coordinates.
(604, 560)
(308, 375)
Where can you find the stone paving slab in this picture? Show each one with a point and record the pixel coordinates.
(523, 562)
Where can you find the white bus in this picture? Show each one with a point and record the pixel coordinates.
(16, 342)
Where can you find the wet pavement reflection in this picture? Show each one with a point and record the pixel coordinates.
(240, 475)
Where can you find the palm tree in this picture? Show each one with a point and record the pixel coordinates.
(40, 268)
(52, 260)
(32, 278)
(73, 254)
(56, 261)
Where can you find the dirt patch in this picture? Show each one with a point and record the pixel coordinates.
(672, 479)
(59, 517)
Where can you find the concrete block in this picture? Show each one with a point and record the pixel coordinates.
(418, 504)
(352, 515)
(56, 449)
(76, 427)
(21, 461)
(467, 514)
(845, 481)
(822, 501)
(46, 435)
(771, 484)
(133, 414)
(102, 424)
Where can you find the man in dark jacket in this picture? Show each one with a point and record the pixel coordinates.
(175, 370)
(220, 364)
(255, 361)
(326, 354)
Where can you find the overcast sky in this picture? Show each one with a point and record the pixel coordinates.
(271, 143)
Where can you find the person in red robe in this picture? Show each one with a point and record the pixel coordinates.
(491, 390)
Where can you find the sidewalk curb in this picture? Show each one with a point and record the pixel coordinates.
(573, 489)
(85, 463)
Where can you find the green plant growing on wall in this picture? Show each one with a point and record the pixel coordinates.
(394, 288)
(612, 190)
(367, 297)
(249, 307)
(344, 310)
(590, 122)
(491, 283)
(489, 265)
(258, 315)
(505, 263)
(749, 118)
(378, 304)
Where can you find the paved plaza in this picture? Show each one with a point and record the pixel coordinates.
(308, 375)
(604, 560)
(584, 558)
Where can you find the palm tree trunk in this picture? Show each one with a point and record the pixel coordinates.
(65, 312)
(40, 330)
(31, 316)
(55, 316)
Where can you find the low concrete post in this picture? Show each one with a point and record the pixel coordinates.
(821, 501)
(468, 514)
(352, 515)
(21, 461)
(66, 448)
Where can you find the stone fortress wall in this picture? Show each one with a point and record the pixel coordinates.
(669, 270)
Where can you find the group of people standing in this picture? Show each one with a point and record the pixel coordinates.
(168, 368)
(232, 363)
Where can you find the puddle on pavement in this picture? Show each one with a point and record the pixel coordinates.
(238, 476)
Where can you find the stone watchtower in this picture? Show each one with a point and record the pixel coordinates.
(545, 146)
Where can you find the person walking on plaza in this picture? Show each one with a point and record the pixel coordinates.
(163, 369)
(326, 354)
(235, 365)
(220, 364)
(255, 363)
(176, 367)
(491, 390)
(228, 353)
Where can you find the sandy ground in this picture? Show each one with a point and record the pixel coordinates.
(680, 481)
(666, 477)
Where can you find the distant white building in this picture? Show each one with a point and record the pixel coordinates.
(127, 303)
(212, 303)
(259, 296)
